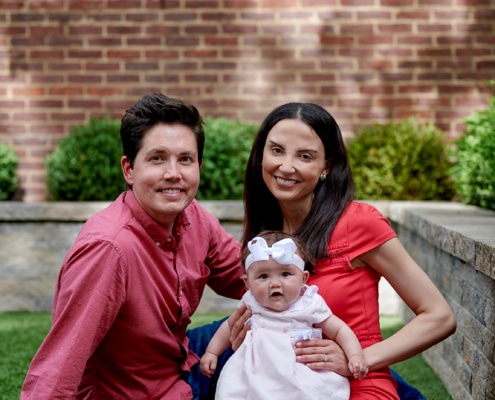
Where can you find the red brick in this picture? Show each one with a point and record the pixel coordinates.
(86, 5)
(141, 17)
(180, 16)
(46, 54)
(416, 14)
(239, 29)
(374, 15)
(396, 3)
(66, 91)
(28, 92)
(218, 16)
(357, 2)
(141, 42)
(394, 28)
(435, 76)
(124, 4)
(124, 30)
(82, 53)
(488, 65)
(210, 78)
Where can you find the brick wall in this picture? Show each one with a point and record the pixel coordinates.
(364, 60)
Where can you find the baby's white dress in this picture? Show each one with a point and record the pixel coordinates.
(265, 367)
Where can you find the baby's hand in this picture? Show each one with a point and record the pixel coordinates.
(208, 364)
(358, 367)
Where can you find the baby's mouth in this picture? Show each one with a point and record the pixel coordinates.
(276, 294)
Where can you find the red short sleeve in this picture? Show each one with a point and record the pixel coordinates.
(360, 229)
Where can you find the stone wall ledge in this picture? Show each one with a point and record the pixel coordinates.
(466, 232)
(17, 211)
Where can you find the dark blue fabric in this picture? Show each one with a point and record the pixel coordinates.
(405, 390)
(204, 388)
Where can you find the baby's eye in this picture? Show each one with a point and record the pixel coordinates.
(263, 276)
(286, 274)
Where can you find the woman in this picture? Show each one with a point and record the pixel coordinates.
(298, 180)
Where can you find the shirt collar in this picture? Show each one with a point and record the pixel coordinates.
(157, 232)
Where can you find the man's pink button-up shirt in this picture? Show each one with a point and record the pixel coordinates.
(124, 298)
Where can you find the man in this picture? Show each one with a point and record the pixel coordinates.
(137, 270)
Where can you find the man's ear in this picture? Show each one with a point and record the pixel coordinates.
(127, 170)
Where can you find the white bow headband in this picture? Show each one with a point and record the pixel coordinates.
(283, 252)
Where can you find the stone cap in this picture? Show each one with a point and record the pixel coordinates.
(80, 211)
(467, 232)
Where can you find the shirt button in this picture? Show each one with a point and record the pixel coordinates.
(169, 240)
(157, 243)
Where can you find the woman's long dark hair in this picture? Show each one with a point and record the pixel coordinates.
(331, 196)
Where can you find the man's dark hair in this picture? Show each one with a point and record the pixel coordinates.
(154, 109)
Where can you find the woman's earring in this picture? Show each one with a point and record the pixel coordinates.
(323, 177)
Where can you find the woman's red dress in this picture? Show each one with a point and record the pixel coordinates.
(352, 293)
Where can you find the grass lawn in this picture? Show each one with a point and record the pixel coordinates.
(22, 332)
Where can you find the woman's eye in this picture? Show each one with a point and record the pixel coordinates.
(276, 150)
(306, 157)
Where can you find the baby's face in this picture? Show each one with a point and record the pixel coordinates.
(275, 286)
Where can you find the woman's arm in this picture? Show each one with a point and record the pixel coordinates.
(434, 320)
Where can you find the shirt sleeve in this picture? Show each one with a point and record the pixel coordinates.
(89, 294)
(224, 262)
(366, 229)
(321, 310)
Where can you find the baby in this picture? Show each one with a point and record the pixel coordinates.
(285, 310)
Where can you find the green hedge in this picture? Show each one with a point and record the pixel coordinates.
(85, 166)
(9, 182)
(474, 153)
(400, 161)
(394, 161)
(227, 147)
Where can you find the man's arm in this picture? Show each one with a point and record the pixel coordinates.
(90, 291)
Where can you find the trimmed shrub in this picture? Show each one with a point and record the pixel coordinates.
(474, 170)
(227, 147)
(85, 166)
(400, 161)
(9, 182)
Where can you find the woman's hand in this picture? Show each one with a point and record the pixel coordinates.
(238, 326)
(322, 354)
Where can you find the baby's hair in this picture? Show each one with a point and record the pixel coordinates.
(272, 237)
